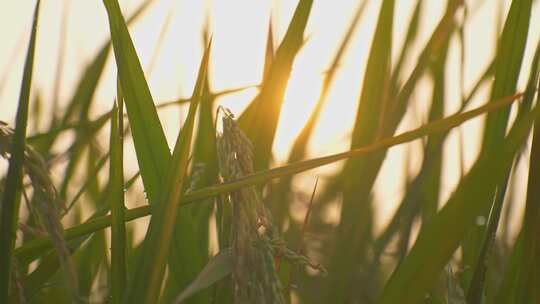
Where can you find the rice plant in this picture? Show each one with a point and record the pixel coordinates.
(99, 205)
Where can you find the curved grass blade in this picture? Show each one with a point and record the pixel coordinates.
(151, 146)
(34, 248)
(148, 276)
(217, 268)
(10, 199)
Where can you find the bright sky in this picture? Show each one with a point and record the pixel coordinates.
(239, 29)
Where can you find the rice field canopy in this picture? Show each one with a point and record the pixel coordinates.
(212, 152)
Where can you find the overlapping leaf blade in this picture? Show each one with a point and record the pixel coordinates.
(190, 241)
(116, 190)
(217, 268)
(146, 282)
(151, 146)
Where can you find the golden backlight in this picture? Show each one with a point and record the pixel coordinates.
(405, 217)
(239, 30)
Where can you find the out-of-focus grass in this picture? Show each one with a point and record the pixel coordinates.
(187, 200)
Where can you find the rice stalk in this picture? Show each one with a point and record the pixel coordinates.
(47, 203)
(255, 239)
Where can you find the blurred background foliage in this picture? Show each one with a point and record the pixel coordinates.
(103, 202)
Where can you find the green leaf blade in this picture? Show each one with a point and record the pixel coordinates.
(10, 200)
(146, 283)
(150, 144)
(116, 197)
(217, 268)
(259, 121)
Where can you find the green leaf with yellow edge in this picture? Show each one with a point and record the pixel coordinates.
(260, 119)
